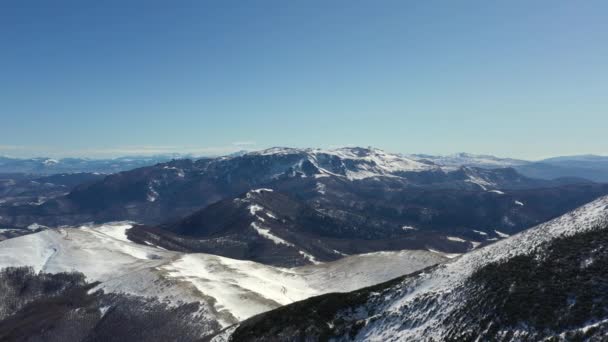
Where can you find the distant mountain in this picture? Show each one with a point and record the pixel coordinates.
(467, 159)
(366, 194)
(128, 291)
(591, 167)
(47, 166)
(586, 160)
(23, 189)
(548, 283)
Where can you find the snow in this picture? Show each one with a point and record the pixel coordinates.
(152, 195)
(179, 172)
(254, 209)
(457, 160)
(502, 235)
(348, 274)
(587, 262)
(447, 255)
(49, 162)
(443, 281)
(309, 257)
(375, 162)
(259, 191)
(497, 192)
(456, 239)
(356, 163)
(117, 230)
(519, 203)
(265, 232)
(245, 288)
(406, 228)
(234, 289)
(480, 232)
(100, 252)
(35, 226)
(479, 181)
(103, 310)
(320, 187)
(241, 288)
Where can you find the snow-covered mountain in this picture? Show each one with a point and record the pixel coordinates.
(350, 162)
(547, 282)
(225, 290)
(172, 190)
(456, 160)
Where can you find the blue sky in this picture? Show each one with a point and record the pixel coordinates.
(103, 78)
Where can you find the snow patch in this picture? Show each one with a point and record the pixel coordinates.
(320, 187)
(36, 226)
(502, 235)
(447, 255)
(254, 208)
(265, 232)
(259, 191)
(152, 195)
(309, 257)
(456, 239)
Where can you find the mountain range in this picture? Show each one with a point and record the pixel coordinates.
(590, 167)
(305, 244)
(324, 203)
(47, 166)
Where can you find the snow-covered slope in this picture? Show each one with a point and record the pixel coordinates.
(444, 281)
(441, 303)
(244, 288)
(229, 290)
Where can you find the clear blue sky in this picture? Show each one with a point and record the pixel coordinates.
(512, 78)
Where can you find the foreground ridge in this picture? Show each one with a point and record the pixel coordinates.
(482, 294)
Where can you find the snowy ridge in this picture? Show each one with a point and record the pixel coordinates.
(443, 281)
(245, 288)
(230, 289)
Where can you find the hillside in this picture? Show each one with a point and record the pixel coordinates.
(219, 291)
(549, 281)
